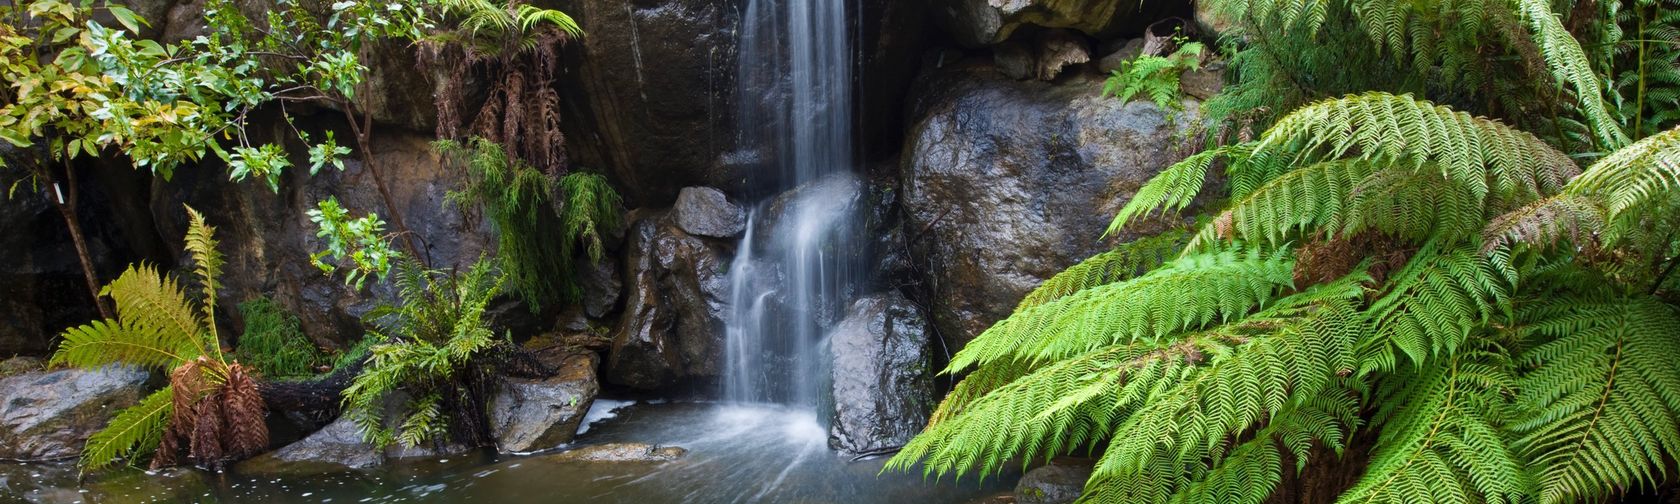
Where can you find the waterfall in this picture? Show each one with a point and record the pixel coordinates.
(792, 271)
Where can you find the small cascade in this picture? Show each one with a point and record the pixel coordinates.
(793, 270)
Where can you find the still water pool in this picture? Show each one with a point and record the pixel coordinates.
(735, 454)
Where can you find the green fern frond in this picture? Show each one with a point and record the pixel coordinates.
(1185, 294)
(155, 326)
(133, 431)
(1569, 65)
(1435, 302)
(207, 265)
(1634, 176)
(590, 207)
(1126, 261)
(1601, 407)
(1175, 187)
(1441, 441)
(1309, 198)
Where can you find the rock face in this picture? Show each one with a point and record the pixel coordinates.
(267, 237)
(622, 452)
(339, 443)
(677, 296)
(704, 211)
(1015, 181)
(541, 414)
(49, 415)
(1057, 483)
(977, 23)
(653, 99)
(883, 380)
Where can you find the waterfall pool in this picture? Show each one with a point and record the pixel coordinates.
(736, 453)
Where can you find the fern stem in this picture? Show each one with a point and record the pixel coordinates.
(1639, 96)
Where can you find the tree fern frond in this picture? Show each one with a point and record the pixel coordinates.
(207, 264)
(133, 431)
(1309, 198)
(1481, 153)
(1635, 175)
(1174, 188)
(1123, 262)
(103, 342)
(1544, 222)
(1435, 302)
(147, 299)
(1601, 408)
(1569, 65)
(1185, 294)
(1442, 441)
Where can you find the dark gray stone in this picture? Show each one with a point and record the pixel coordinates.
(975, 23)
(50, 415)
(338, 444)
(1007, 183)
(882, 377)
(704, 211)
(602, 287)
(1059, 49)
(677, 296)
(1115, 60)
(529, 415)
(1057, 483)
(622, 452)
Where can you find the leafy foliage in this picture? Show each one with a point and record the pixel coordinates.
(360, 245)
(273, 342)
(516, 197)
(1154, 77)
(211, 408)
(430, 340)
(1383, 263)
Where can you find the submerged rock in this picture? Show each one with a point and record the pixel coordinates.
(883, 382)
(529, 415)
(50, 415)
(622, 452)
(1060, 482)
(704, 211)
(1015, 181)
(676, 299)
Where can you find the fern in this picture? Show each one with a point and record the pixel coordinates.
(1185, 294)
(1602, 404)
(1155, 77)
(1645, 171)
(273, 343)
(590, 207)
(134, 431)
(517, 198)
(1123, 262)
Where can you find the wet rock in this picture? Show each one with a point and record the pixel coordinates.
(1057, 483)
(882, 377)
(339, 444)
(677, 296)
(1015, 60)
(602, 287)
(1211, 21)
(530, 415)
(50, 415)
(1117, 59)
(1203, 83)
(822, 204)
(1058, 49)
(704, 211)
(622, 452)
(975, 23)
(1015, 181)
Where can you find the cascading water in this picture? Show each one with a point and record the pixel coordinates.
(792, 270)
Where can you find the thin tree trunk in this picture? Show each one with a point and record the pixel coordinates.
(63, 198)
(364, 147)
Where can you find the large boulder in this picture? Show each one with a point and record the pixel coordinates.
(267, 236)
(882, 374)
(977, 23)
(672, 326)
(1015, 181)
(50, 415)
(529, 415)
(339, 444)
